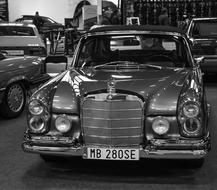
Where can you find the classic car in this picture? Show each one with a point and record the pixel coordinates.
(20, 76)
(123, 103)
(202, 35)
(49, 24)
(19, 39)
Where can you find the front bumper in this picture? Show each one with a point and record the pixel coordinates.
(158, 149)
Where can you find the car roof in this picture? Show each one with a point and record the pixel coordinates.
(16, 24)
(147, 28)
(32, 16)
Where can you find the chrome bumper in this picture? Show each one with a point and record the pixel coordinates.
(157, 150)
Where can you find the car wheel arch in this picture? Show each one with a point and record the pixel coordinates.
(19, 79)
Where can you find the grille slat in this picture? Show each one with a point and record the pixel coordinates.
(112, 123)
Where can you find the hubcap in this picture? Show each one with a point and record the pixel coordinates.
(15, 98)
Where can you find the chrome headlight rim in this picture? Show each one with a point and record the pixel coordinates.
(156, 121)
(35, 103)
(65, 119)
(41, 129)
(195, 132)
(194, 105)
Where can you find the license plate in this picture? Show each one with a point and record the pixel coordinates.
(112, 154)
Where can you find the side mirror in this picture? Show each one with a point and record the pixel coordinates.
(198, 61)
(55, 64)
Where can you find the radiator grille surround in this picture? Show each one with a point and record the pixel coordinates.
(112, 123)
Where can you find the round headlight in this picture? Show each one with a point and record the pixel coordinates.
(62, 124)
(190, 109)
(37, 124)
(192, 126)
(160, 125)
(35, 107)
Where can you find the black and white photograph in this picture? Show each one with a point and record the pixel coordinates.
(108, 94)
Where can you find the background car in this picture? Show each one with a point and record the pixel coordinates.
(118, 102)
(19, 39)
(49, 24)
(18, 76)
(202, 35)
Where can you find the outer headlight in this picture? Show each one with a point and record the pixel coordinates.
(190, 109)
(160, 125)
(192, 126)
(37, 124)
(36, 107)
(62, 124)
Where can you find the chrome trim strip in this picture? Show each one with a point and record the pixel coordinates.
(94, 127)
(2, 89)
(114, 137)
(112, 109)
(96, 145)
(116, 119)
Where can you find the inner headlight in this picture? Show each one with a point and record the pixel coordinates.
(36, 107)
(160, 125)
(37, 124)
(190, 109)
(62, 124)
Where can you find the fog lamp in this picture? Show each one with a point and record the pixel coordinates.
(160, 125)
(192, 126)
(62, 124)
(37, 124)
(36, 107)
(190, 109)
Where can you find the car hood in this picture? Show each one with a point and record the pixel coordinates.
(9, 64)
(158, 88)
(17, 41)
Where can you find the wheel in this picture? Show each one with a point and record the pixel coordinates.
(13, 101)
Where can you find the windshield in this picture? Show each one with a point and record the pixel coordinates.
(16, 31)
(165, 51)
(205, 28)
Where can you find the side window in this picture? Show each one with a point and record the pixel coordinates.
(169, 45)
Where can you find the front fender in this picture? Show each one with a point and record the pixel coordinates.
(17, 79)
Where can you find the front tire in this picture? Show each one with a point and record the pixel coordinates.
(14, 101)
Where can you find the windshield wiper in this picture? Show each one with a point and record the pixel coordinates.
(117, 63)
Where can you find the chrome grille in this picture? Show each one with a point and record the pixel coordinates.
(112, 122)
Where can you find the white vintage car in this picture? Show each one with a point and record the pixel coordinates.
(19, 39)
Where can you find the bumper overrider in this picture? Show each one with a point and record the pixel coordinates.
(158, 149)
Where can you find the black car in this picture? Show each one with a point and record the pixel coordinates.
(202, 36)
(49, 24)
(132, 92)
